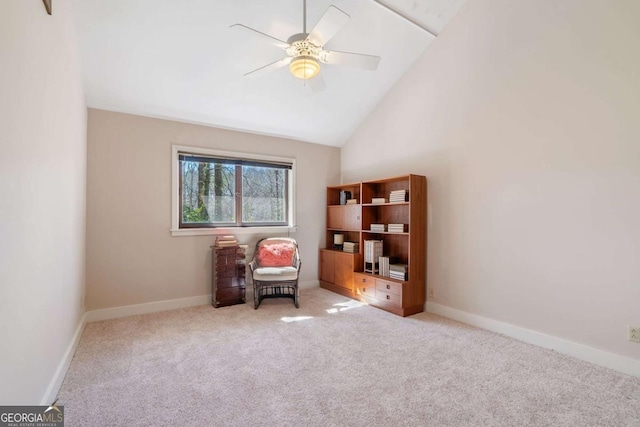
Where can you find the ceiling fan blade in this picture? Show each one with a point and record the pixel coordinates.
(248, 30)
(269, 67)
(316, 84)
(327, 27)
(359, 60)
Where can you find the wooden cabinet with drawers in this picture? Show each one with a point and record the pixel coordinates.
(388, 294)
(228, 275)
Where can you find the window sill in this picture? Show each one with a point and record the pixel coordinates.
(232, 230)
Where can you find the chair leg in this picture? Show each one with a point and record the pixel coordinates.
(255, 297)
(297, 296)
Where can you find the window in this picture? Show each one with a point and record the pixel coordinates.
(217, 190)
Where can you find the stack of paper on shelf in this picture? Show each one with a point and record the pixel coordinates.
(398, 196)
(377, 228)
(372, 253)
(378, 200)
(352, 201)
(398, 228)
(351, 247)
(398, 271)
(225, 241)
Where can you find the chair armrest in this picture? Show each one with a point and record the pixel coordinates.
(296, 261)
(253, 265)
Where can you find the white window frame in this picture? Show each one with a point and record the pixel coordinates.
(175, 205)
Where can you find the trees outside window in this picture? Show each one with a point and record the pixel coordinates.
(225, 192)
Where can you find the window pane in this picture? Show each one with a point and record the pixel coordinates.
(264, 195)
(208, 192)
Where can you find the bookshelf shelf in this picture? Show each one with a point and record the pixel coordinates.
(350, 274)
(385, 204)
(384, 232)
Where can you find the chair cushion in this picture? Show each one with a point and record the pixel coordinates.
(276, 254)
(274, 274)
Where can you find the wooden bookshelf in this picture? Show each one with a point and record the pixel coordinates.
(344, 272)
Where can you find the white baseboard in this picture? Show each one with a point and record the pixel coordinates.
(309, 284)
(150, 307)
(63, 366)
(616, 362)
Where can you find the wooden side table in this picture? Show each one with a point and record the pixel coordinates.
(228, 275)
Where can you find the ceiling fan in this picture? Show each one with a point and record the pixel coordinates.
(305, 51)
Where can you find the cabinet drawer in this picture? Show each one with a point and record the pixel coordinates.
(231, 250)
(231, 272)
(389, 298)
(229, 294)
(223, 263)
(224, 282)
(365, 285)
(227, 282)
(389, 287)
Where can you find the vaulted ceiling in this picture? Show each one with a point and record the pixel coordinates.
(181, 60)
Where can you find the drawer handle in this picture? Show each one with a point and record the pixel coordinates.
(364, 280)
(364, 290)
(388, 287)
(388, 297)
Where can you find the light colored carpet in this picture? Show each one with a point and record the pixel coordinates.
(333, 362)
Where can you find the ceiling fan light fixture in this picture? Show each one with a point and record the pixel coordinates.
(304, 67)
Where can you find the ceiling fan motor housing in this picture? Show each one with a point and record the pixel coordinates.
(305, 54)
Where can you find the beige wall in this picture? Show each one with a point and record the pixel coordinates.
(131, 256)
(42, 195)
(524, 117)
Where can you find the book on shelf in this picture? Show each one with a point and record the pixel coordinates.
(397, 228)
(384, 266)
(385, 262)
(226, 241)
(398, 196)
(352, 201)
(344, 196)
(401, 268)
(226, 244)
(372, 254)
(351, 247)
(377, 228)
(398, 276)
(372, 250)
(378, 200)
(398, 271)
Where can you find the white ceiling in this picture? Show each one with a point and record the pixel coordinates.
(180, 60)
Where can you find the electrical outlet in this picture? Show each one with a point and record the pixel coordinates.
(432, 293)
(634, 333)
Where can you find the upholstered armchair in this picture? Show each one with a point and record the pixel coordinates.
(275, 269)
